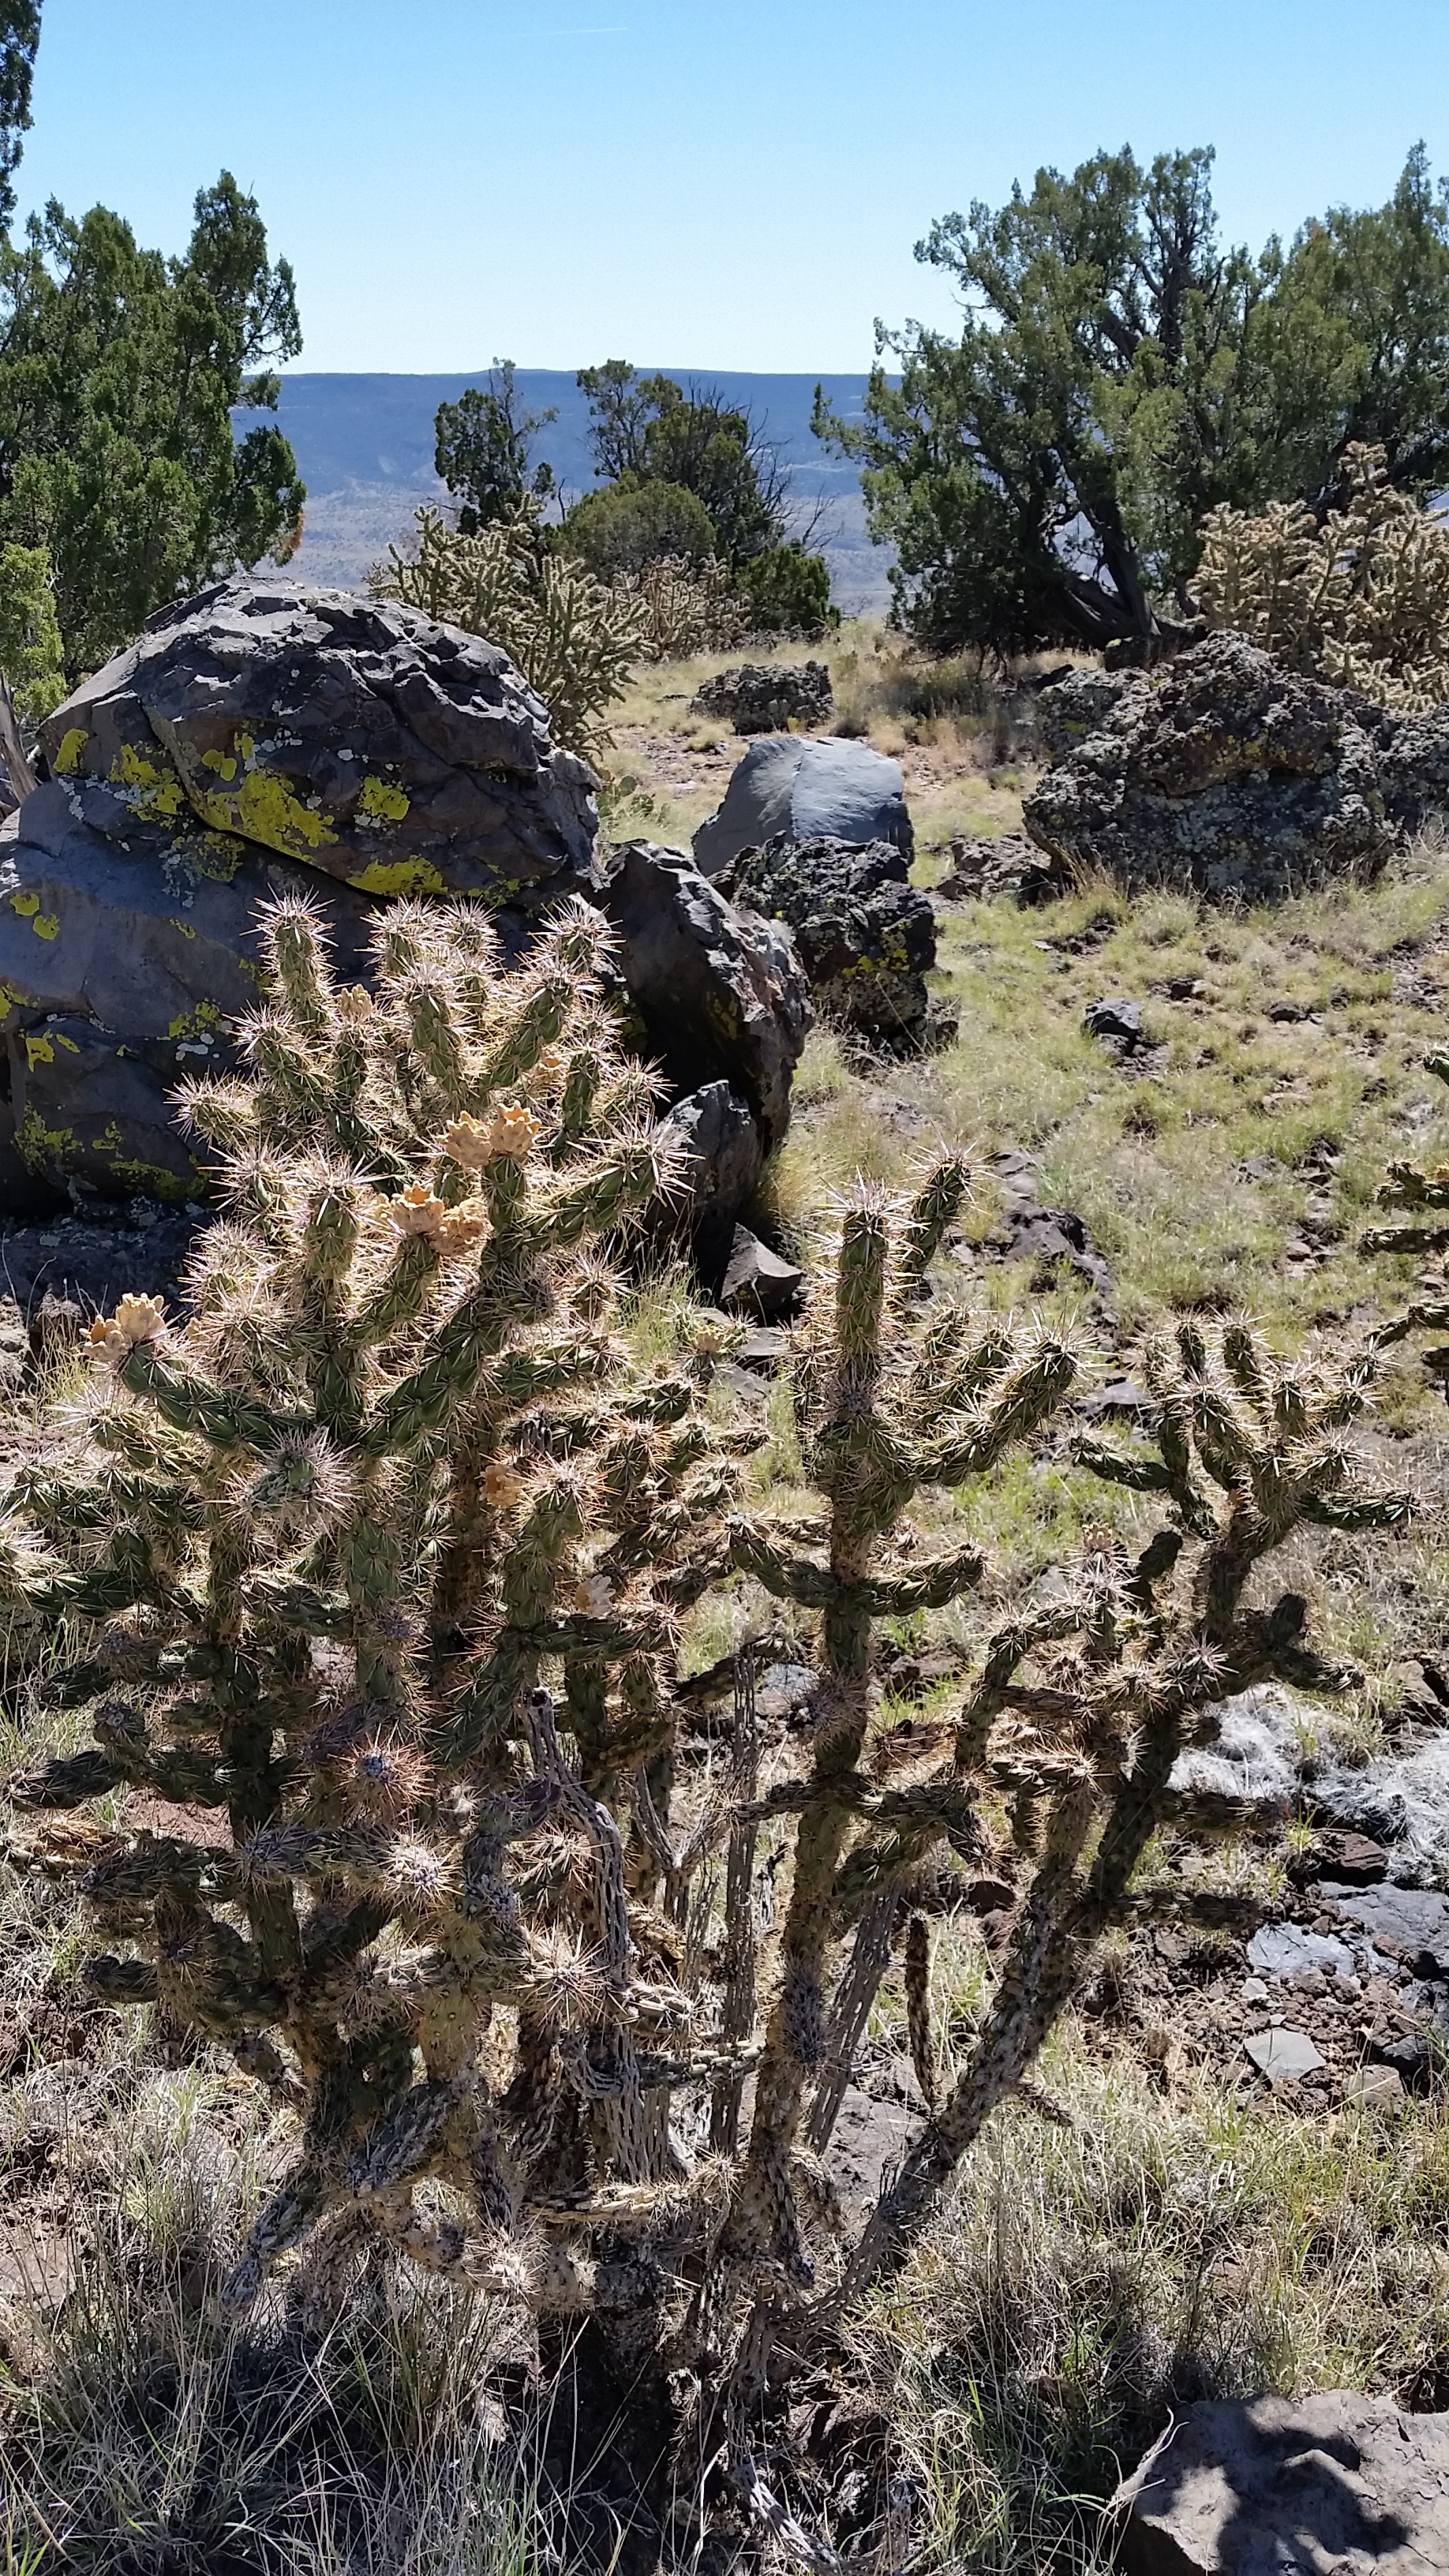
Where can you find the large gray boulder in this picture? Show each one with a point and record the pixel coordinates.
(719, 993)
(1222, 774)
(353, 735)
(788, 787)
(1278, 2484)
(865, 934)
(269, 739)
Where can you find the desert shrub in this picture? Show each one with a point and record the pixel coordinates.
(574, 641)
(30, 647)
(786, 591)
(1360, 598)
(622, 527)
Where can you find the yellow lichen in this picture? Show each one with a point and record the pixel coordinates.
(381, 803)
(25, 904)
(200, 1023)
(72, 744)
(399, 876)
(46, 925)
(38, 1050)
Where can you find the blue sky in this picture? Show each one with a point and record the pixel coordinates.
(685, 182)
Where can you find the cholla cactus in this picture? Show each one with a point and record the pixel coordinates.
(1077, 1710)
(333, 1538)
(1358, 598)
(1080, 1709)
(327, 1535)
(575, 641)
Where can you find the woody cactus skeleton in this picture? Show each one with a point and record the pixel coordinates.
(325, 1537)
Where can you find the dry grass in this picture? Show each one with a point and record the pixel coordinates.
(965, 746)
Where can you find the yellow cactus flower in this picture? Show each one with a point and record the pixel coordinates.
(515, 1133)
(418, 1211)
(470, 1142)
(136, 1320)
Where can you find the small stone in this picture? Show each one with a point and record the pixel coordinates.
(764, 1348)
(757, 1280)
(1374, 2088)
(1117, 1020)
(1284, 2055)
(1255, 1990)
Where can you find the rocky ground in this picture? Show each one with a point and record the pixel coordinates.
(1233, 2172)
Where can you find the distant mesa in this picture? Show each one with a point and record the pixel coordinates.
(364, 447)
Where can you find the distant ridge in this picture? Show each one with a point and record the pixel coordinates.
(364, 446)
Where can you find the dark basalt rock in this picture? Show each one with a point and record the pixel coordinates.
(806, 790)
(719, 993)
(866, 935)
(765, 697)
(1223, 774)
(268, 738)
(352, 734)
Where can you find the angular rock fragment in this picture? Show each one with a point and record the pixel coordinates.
(721, 1167)
(866, 936)
(759, 1281)
(1283, 2055)
(1273, 2485)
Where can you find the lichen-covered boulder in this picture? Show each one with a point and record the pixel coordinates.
(794, 788)
(1223, 774)
(354, 735)
(1071, 704)
(766, 697)
(866, 935)
(119, 973)
(269, 738)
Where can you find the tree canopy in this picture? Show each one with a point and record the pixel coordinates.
(649, 430)
(19, 37)
(119, 371)
(1119, 373)
(484, 445)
